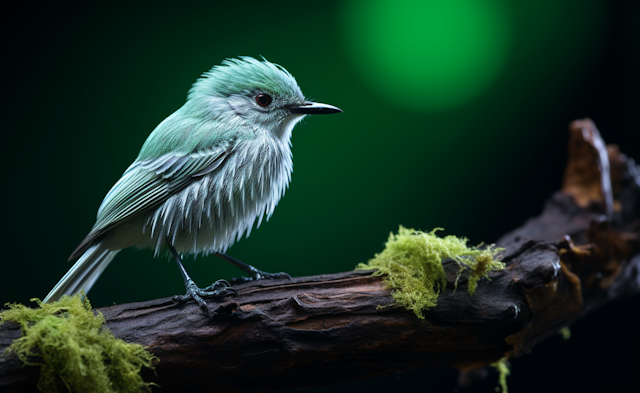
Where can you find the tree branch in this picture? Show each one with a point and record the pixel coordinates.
(580, 253)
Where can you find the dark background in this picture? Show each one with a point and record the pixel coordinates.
(85, 85)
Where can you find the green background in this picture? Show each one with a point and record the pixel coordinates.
(455, 116)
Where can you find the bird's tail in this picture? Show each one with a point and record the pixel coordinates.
(84, 272)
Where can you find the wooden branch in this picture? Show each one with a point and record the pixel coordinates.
(580, 253)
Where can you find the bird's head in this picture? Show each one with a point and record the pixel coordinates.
(255, 94)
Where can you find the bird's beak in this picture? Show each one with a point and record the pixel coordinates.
(314, 108)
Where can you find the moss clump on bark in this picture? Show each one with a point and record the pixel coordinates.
(411, 264)
(74, 348)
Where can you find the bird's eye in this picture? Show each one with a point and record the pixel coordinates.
(263, 99)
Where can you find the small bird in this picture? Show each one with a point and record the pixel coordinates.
(203, 176)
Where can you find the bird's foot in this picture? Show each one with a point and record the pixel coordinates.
(259, 275)
(220, 288)
(254, 274)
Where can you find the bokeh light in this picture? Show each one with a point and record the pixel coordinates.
(428, 55)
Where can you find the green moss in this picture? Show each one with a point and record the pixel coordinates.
(502, 366)
(412, 265)
(565, 332)
(75, 350)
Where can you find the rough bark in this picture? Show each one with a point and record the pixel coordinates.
(580, 253)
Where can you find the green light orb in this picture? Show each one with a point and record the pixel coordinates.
(428, 55)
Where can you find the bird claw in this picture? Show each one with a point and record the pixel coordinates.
(216, 286)
(218, 289)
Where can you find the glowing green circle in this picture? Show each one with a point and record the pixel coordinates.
(428, 55)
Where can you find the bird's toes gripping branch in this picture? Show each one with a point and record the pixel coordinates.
(220, 288)
(254, 274)
(259, 275)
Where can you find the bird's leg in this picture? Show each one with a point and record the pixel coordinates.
(219, 288)
(250, 270)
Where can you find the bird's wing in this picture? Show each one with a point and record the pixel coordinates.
(146, 184)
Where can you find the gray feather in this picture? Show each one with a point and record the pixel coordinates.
(84, 272)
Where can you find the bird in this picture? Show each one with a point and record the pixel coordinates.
(203, 177)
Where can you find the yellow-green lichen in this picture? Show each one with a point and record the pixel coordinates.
(412, 265)
(75, 349)
(502, 366)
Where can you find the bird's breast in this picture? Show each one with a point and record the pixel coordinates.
(214, 211)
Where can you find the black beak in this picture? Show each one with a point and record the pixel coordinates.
(314, 108)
